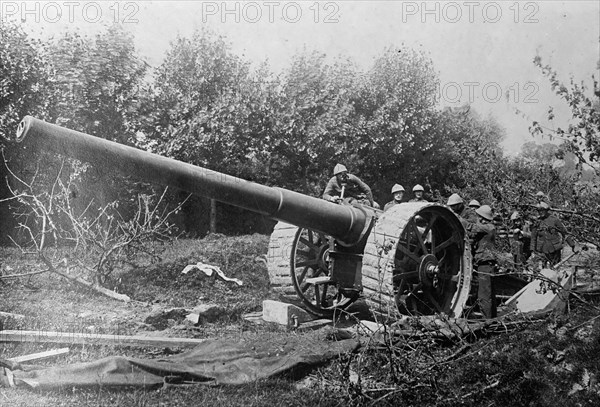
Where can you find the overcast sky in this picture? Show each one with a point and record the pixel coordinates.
(481, 49)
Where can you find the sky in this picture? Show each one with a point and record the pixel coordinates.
(482, 50)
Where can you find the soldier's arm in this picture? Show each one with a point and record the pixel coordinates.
(476, 228)
(330, 190)
(561, 228)
(364, 188)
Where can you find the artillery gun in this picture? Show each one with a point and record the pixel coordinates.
(412, 259)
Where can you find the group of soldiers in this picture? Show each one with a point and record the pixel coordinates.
(543, 235)
(344, 186)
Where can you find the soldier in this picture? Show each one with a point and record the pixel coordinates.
(474, 204)
(343, 185)
(418, 191)
(483, 234)
(397, 193)
(520, 235)
(548, 236)
(466, 215)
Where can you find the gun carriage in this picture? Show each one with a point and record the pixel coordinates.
(412, 259)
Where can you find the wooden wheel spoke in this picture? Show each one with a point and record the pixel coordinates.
(305, 287)
(310, 244)
(307, 263)
(433, 301)
(419, 237)
(405, 275)
(455, 238)
(302, 275)
(447, 277)
(408, 253)
(307, 254)
(414, 289)
(430, 224)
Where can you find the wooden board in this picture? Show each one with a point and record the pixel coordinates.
(95, 339)
(39, 355)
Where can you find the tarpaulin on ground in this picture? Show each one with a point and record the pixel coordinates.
(216, 361)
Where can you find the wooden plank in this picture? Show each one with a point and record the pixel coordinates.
(39, 355)
(95, 339)
(11, 315)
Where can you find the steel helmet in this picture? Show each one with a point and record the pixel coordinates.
(540, 194)
(339, 168)
(485, 212)
(543, 205)
(397, 188)
(515, 215)
(454, 199)
(474, 203)
(418, 188)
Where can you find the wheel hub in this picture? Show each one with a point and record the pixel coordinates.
(428, 270)
(324, 257)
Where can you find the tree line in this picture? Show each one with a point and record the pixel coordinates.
(207, 106)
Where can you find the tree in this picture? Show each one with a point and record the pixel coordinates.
(582, 133)
(87, 84)
(540, 152)
(24, 78)
(395, 112)
(314, 122)
(206, 109)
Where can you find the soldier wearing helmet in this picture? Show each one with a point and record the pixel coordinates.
(474, 204)
(343, 186)
(548, 236)
(418, 192)
(483, 235)
(466, 215)
(398, 194)
(520, 238)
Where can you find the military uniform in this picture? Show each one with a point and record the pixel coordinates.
(520, 242)
(354, 188)
(483, 236)
(390, 204)
(547, 238)
(467, 217)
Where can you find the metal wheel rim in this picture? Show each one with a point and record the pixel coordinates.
(422, 285)
(307, 260)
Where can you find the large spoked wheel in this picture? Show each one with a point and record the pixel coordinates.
(431, 264)
(309, 269)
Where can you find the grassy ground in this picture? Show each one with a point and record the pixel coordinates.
(550, 362)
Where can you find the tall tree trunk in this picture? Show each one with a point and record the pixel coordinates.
(213, 216)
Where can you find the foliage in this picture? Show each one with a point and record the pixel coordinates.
(313, 122)
(97, 83)
(24, 77)
(50, 222)
(197, 84)
(87, 84)
(582, 133)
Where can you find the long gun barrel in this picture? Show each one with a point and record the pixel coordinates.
(348, 224)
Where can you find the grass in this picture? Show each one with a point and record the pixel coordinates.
(555, 362)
